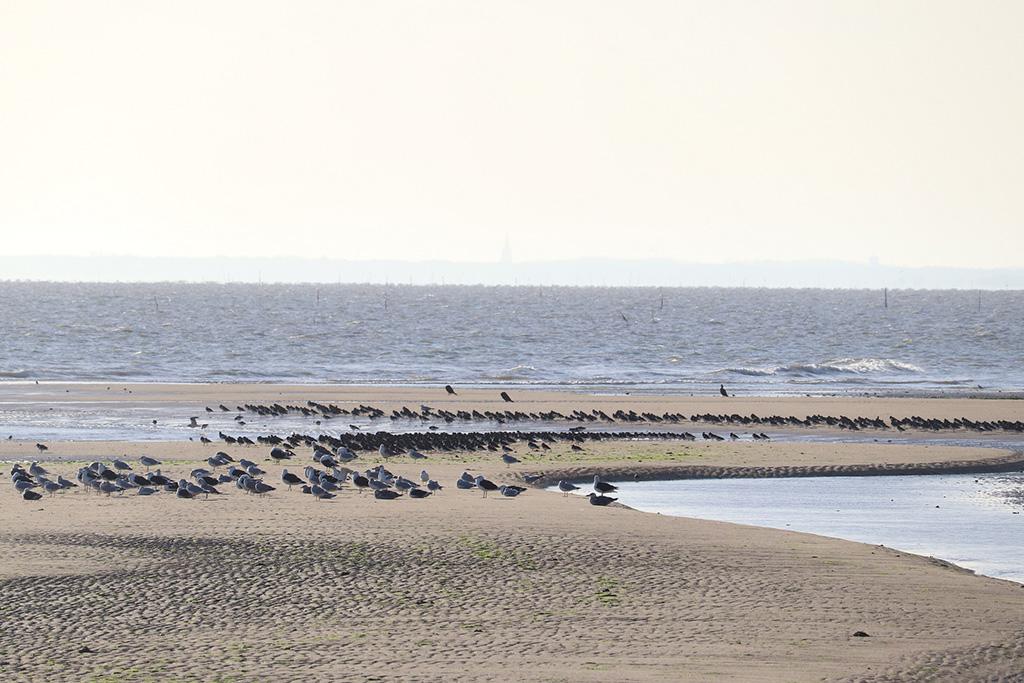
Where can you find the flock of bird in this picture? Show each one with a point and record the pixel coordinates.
(328, 474)
(426, 413)
(323, 479)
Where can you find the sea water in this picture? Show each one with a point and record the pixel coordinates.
(973, 521)
(604, 340)
(613, 340)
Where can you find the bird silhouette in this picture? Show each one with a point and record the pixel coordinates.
(486, 485)
(506, 397)
(290, 479)
(601, 500)
(448, 388)
(722, 391)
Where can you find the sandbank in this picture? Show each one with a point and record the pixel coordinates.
(461, 587)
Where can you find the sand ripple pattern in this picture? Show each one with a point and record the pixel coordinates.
(460, 605)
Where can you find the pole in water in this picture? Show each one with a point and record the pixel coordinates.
(887, 297)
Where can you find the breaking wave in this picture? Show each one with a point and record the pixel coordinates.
(830, 368)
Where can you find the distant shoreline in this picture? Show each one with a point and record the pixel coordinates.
(834, 274)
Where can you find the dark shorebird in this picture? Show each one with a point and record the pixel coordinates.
(386, 494)
(138, 480)
(603, 487)
(448, 388)
(291, 479)
(722, 391)
(418, 493)
(159, 479)
(505, 397)
(360, 482)
(279, 454)
(29, 494)
(601, 500)
(486, 484)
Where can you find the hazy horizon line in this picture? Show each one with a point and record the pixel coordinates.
(589, 271)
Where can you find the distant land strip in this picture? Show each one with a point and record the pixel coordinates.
(826, 274)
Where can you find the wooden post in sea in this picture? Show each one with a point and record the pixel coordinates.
(887, 297)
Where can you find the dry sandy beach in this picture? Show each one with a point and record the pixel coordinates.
(461, 587)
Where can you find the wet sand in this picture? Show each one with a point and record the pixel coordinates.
(461, 587)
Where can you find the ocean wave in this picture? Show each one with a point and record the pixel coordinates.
(806, 341)
(828, 368)
(17, 374)
(519, 372)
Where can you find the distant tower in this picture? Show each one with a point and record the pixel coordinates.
(506, 252)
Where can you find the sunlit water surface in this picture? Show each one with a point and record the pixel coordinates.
(973, 521)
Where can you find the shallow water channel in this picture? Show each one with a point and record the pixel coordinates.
(973, 521)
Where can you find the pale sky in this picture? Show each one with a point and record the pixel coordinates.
(705, 131)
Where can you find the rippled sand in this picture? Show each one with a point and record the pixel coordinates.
(462, 587)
